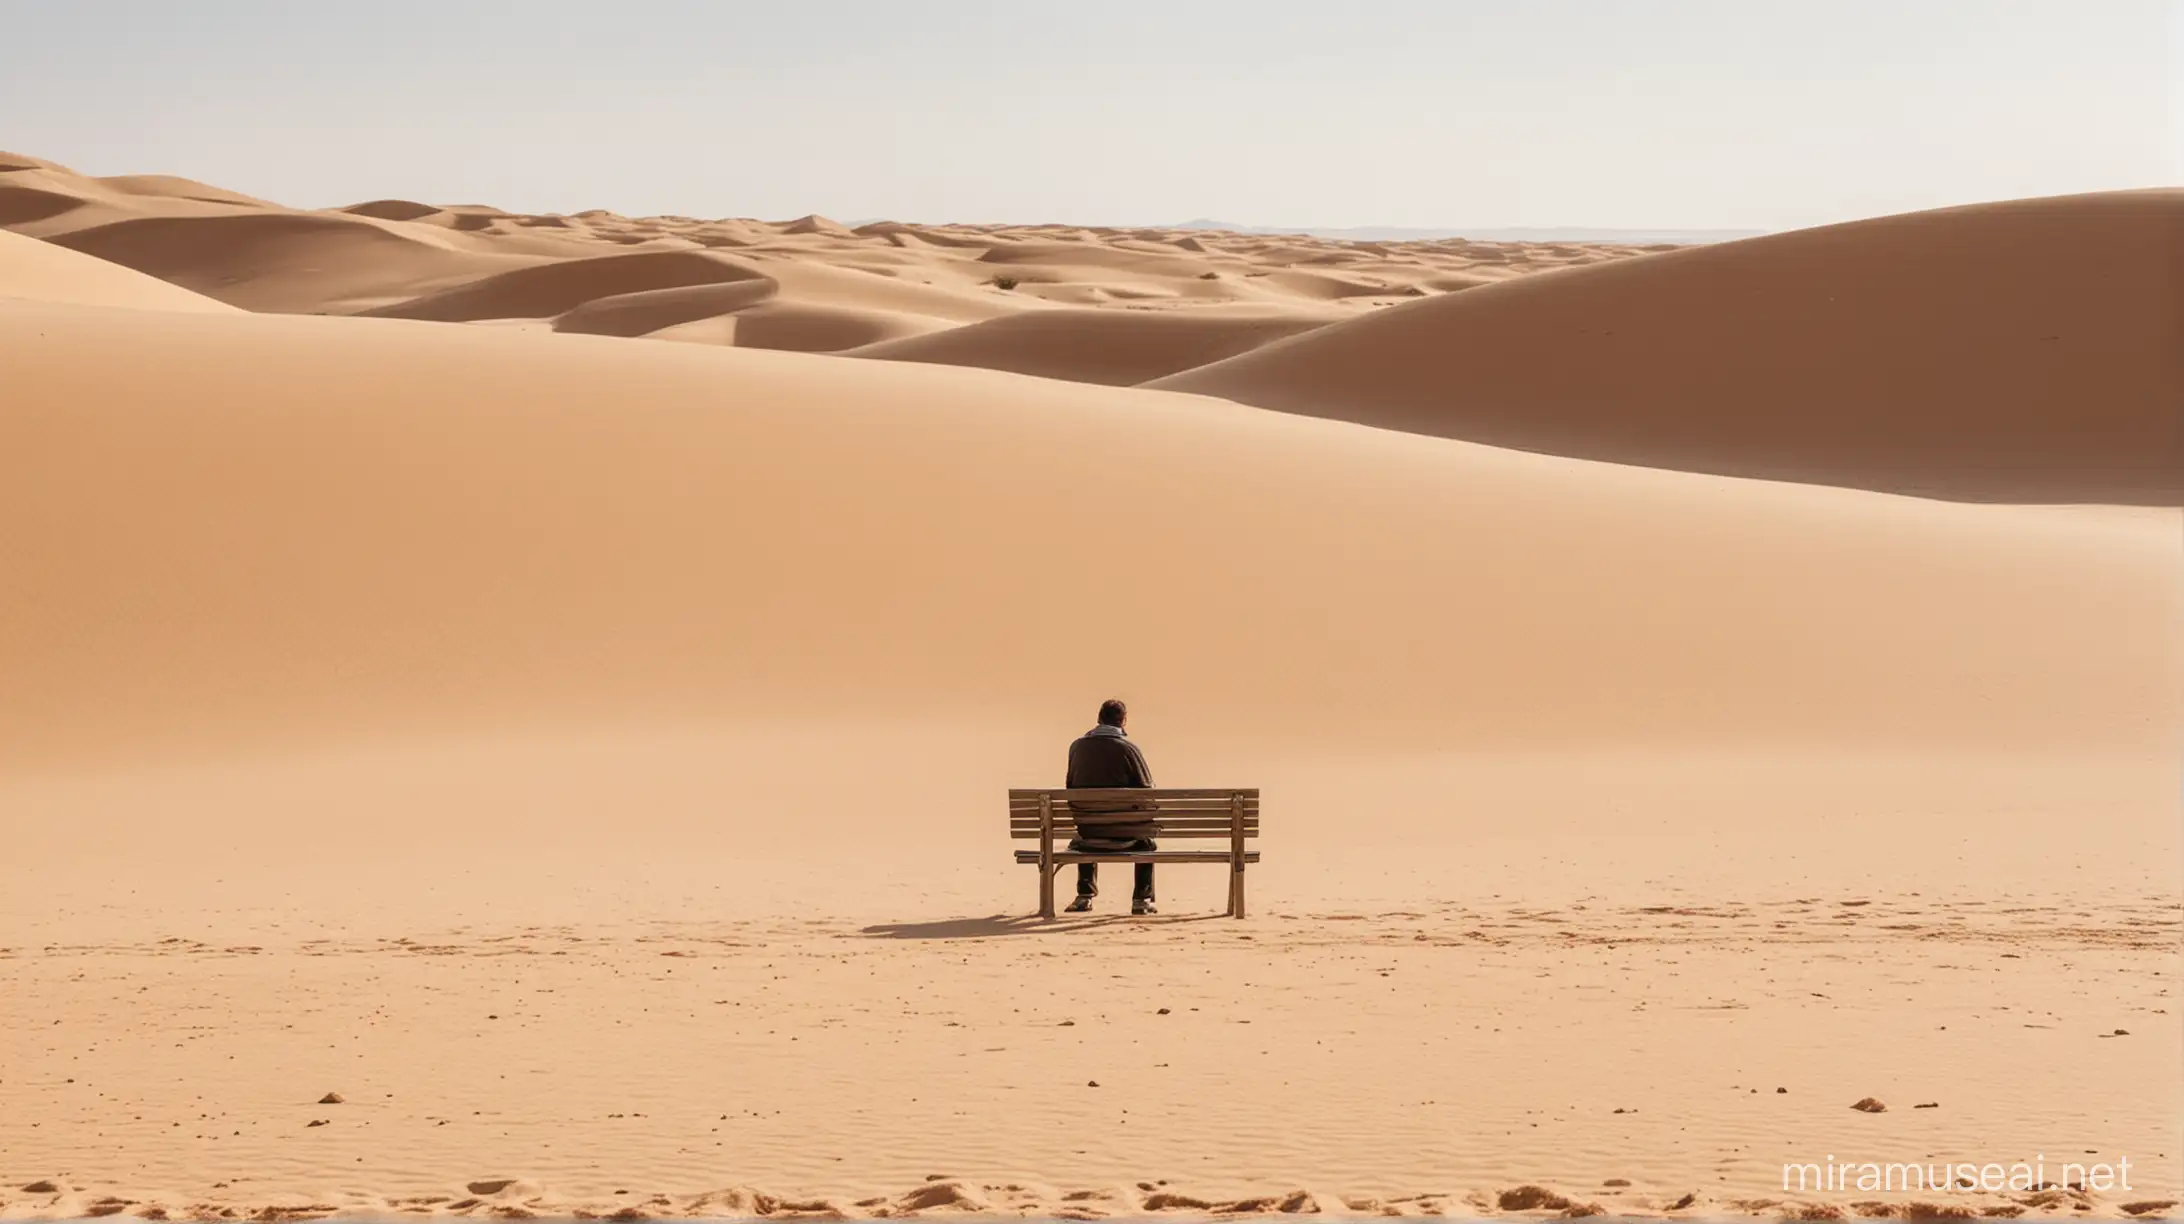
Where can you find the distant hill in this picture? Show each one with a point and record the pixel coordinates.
(1392, 233)
(1566, 233)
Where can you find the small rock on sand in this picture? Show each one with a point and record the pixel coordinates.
(1530, 1198)
(942, 1194)
(331, 1098)
(1870, 1105)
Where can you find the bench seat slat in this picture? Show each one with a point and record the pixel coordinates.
(1173, 822)
(1063, 798)
(1166, 822)
(1161, 818)
(1132, 792)
(1157, 856)
(1165, 809)
(1165, 831)
(1171, 805)
(1093, 818)
(1162, 836)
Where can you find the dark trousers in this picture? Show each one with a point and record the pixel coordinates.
(1088, 874)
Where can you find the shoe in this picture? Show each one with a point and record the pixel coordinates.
(1082, 905)
(1142, 907)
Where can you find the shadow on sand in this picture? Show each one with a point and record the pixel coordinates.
(1020, 924)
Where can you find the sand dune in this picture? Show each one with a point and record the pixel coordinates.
(175, 187)
(931, 292)
(21, 203)
(282, 261)
(815, 327)
(807, 310)
(10, 162)
(815, 224)
(1501, 637)
(46, 200)
(1161, 261)
(40, 271)
(1913, 354)
(650, 310)
(393, 210)
(1112, 347)
(550, 289)
(1321, 287)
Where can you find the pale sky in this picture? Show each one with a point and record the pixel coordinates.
(1760, 114)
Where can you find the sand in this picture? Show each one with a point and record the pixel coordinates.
(585, 758)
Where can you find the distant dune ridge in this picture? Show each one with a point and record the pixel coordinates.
(811, 283)
(1489, 233)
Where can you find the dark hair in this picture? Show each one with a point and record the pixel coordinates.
(1112, 711)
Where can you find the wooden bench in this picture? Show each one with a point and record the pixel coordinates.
(1230, 813)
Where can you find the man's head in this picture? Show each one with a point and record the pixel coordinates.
(1112, 712)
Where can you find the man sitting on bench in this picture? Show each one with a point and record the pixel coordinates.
(1105, 757)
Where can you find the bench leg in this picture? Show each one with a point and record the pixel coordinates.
(1236, 856)
(1046, 858)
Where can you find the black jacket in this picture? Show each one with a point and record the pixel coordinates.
(1105, 757)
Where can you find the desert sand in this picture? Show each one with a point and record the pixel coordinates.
(584, 757)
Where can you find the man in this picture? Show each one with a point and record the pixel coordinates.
(1105, 757)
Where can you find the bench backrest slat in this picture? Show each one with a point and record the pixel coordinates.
(1221, 794)
(1143, 799)
(1090, 819)
(1164, 810)
(1182, 812)
(1063, 833)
